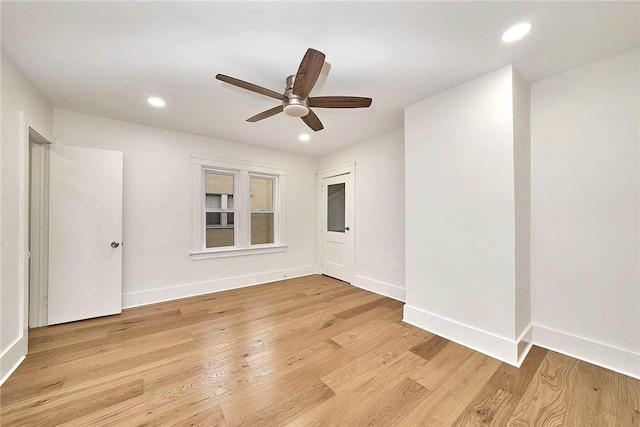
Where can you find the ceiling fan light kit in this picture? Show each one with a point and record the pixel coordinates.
(295, 99)
(294, 105)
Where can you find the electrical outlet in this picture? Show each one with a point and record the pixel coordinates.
(293, 261)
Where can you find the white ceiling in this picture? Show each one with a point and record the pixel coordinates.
(106, 58)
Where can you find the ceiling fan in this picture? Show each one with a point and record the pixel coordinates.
(295, 99)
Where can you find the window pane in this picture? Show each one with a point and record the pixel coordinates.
(213, 201)
(218, 237)
(261, 228)
(219, 229)
(217, 183)
(261, 194)
(219, 219)
(213, 219)
(335, 208)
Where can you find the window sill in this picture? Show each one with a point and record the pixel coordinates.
(229, 252)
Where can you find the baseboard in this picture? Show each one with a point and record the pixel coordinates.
(153, 296)
(525, 342)
(503, 349)
(12, 357)
(616, 359)
(382, 288)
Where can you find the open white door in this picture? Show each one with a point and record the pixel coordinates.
(336, 203)
(85, 233)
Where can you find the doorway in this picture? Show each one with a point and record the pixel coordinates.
(38, 228)
(336, 222)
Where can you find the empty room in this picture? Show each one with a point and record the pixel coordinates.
(320, 213)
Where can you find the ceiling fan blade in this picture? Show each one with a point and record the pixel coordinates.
(308, 72)
(270, 112)
(250, 86)
(339, 102)
(312, 121)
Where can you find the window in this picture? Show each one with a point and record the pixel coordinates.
(262, 212)
(236, 208)
(219, 213)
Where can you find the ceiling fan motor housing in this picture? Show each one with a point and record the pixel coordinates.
(292, 104)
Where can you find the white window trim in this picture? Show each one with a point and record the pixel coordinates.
(242, 171)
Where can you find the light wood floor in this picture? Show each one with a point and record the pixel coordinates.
(307, 351)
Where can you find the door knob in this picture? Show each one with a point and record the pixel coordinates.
(115, 244)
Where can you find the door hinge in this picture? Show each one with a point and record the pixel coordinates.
(46, 301)
(28, 254)
(321, 261)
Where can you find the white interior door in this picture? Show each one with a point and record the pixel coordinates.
(337, 226)
(85, 233)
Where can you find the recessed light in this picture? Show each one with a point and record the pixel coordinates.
(516, 32)
(304, 137)
(155, 101)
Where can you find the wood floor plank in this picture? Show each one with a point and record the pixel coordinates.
(287, 344)
(516, 380)
(271, 362)
(305, 351)
(444, 404)
(209, 416)
(68, 406)
(30, 390)
(492, 406)
(629, 392)
(392, 342)
(429, 348)
(545, 399)
(593, 401)
(260, 407)
(346, 338)
(390, 372)
(442, 365)
(627, 417)
(347, 314)
(390, 405)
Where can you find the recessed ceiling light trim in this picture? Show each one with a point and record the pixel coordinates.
(155, 101)
(516, 32)
(304, 137)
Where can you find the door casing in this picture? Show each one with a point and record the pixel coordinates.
(38, 228)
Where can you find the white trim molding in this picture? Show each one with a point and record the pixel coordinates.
(381, 288)
(170, 293)
(617, 359)
(336, 170)
(500, 348)
(225, 253)
(12, 357)
(224, 163)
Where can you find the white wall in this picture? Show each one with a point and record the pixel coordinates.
(158, 208)
(460, 215)
(379, 211)
(585, 212)
(17, 95)
(522, 179)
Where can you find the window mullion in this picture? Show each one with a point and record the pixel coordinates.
(245, 209)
